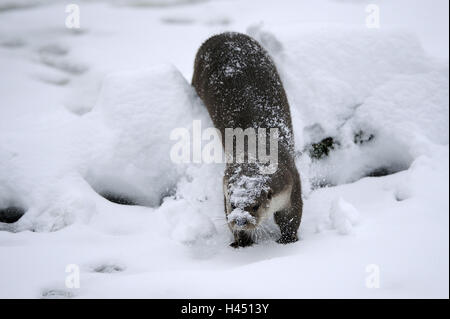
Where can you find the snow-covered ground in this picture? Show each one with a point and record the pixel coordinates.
(89, 111)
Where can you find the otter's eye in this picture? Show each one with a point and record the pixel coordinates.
(269, 195)
(255, 208)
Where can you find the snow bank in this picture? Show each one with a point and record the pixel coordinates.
(120, 149)
(195, 211)
(343, 216)
(380, 98)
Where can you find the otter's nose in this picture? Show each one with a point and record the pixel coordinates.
(241, 221)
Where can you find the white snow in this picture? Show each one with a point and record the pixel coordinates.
(90, 111)
(343, 81)
(343, 216)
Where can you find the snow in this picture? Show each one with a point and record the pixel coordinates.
(89, 113)
(141, 108)
(343, 216)
(238, 213)
(341, 82)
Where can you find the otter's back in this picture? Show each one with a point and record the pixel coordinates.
(239, 84)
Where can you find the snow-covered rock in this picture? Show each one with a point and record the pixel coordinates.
(141, 108)
(376, 92)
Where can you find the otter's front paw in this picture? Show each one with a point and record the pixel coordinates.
(287, 239)
(234, 244)
(238, 244)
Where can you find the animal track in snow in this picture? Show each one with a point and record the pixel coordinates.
(108, 268)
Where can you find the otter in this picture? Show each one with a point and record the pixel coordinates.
(240, 86)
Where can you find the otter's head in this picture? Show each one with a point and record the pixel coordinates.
(251, 197)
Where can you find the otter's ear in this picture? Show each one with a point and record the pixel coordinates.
(269, 194)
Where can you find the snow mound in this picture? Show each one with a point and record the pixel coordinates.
(343, 216)
(244, 186)
(238, 213)
(140, 109)
(155, 3)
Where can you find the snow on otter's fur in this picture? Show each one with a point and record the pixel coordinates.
(238, 213)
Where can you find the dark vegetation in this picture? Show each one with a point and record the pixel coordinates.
(11, 214)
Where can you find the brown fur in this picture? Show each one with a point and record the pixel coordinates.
(241, 88)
